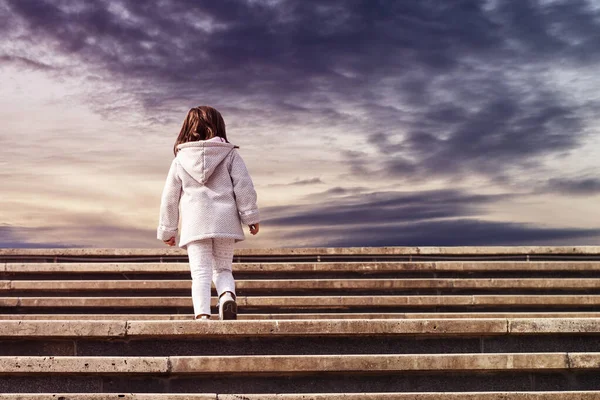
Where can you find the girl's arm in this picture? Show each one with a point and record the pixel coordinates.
(245, 195)
(169, 207)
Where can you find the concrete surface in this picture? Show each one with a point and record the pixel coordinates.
(451, 250)
(365, 267)
(568, 395)
(269, 364)
(319, 327)
(83, 365)
(309, 284)
(310, 302)
(113, 396)
(420, 396)
(411, 351)
(57, 328)
(303, 316)
(332, 327)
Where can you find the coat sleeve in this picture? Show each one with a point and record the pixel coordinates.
(168, 220)
(243, 188)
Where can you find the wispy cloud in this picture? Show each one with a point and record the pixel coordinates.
(20, 237)
(24, 62)
(336, 192)
(573, 187)
(299, 182)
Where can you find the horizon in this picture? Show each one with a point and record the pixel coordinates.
(362, 123)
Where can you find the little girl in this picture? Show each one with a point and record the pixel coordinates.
(210, 180)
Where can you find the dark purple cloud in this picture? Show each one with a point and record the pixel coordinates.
(277, 48)
(16, 237)
(573, 187)
(428, 218)
(375, 208)
(24, 62)
(90, 232)
(467, 74)
(461, 232)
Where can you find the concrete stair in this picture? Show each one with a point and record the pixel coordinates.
(485, 323)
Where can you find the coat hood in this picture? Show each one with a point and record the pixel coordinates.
(200, 159)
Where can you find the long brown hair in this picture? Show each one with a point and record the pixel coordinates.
(201, 123)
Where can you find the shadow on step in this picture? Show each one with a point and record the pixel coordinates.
(321, 383)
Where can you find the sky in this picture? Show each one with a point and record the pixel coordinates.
(362, 122)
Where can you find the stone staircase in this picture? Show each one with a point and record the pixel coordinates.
(474, 323)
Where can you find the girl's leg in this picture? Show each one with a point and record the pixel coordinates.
(222, 271)
(200, 254)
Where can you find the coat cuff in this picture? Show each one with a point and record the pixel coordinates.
(250, 217)
(164, 233)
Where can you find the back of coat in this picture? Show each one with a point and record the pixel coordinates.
(215, 193)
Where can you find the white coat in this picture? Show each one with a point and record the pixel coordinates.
(209, 181)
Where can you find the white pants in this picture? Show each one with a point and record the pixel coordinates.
(210, 259)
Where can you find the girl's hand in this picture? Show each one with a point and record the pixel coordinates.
(170, 242)
(254, 228)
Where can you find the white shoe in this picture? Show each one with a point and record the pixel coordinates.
(227, 307)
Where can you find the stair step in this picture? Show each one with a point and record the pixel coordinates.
(325, 251)
(291, 365)
(297, 337)
(292, 268)
(566, 395)
(303, 316)
(274, 328)
(487, 323)
(310, 302)
(382, 327)
(6, 286)
(487, 326)
(571, 395)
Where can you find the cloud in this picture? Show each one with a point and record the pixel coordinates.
(336, 192)
(381, 208)
(552, 29)
(300, 182)
(24, 62)
(500, 134)
(355, 94)
(573, 187)
(464, 76)
(71, 234)
(461, 232)
(427, 218)
(19, 238)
